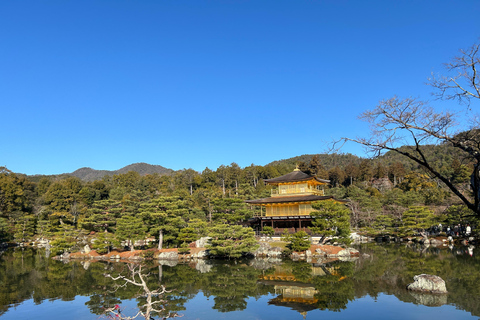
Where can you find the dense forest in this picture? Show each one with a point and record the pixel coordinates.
(177, 207)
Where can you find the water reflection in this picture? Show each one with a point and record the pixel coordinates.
(304, 287)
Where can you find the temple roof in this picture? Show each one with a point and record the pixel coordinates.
(302, 198)
(295, 176)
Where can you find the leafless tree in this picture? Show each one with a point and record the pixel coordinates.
(462, 83)
(137, 278)
(406, 126)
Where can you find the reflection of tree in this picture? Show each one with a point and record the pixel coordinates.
(390, 268)
(28, 274)
(183, 282)
(231, 284)
(154, 304)
(98, 302)
(336, 288)
(301, 270)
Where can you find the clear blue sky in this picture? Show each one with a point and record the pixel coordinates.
(195, 84)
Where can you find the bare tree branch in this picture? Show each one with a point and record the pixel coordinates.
(413, 124)
(464, 84)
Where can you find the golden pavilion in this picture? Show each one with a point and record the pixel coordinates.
(290, 203)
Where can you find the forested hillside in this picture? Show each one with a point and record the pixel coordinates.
(181, 206)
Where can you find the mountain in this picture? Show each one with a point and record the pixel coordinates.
(89, 174)
(329, 160)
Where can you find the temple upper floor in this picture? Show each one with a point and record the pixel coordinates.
(297, 189)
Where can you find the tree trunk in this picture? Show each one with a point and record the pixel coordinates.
(475, 184)
(160, 239)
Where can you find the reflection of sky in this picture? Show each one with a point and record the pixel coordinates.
(50, 309)
(384, 307)
(201, 308)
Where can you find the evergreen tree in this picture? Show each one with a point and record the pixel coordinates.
(186, 236)
(383, 224)
(130, 229)
(231, 241)
(104, 241)
(65, 239)
(331, 219)
(352, 172)
(416, 220)
(24, 228)
(102, 216)
(165, 216)
(298, 241)
(230, 210)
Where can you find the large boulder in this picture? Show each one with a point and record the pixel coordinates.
(169, 255)
(348, 252)
(202, 242)
(428, 283)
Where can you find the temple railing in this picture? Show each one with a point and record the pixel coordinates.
(277, 193)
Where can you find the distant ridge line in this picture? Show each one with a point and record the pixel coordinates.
(142, 168)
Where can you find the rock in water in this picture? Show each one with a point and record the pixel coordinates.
(428, 283)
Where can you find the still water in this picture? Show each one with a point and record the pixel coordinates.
(370, 287)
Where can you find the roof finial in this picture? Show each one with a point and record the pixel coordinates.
(296, 168)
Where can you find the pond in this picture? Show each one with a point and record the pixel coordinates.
(33, 286)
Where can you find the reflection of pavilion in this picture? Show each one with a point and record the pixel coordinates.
(299, 297)
(293, 293)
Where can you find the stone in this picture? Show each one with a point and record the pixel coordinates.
(357, 238)
(295, 256)
(87, 249)
(435, 242)
(428, 283)
(202, 242)
(424, 241)
(346, 253)
(266, 250)
(169, 255)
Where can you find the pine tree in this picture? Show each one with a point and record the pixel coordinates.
(231, 241)
(331, 219)
(416, 220)
(298, 241)
(130, 229)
